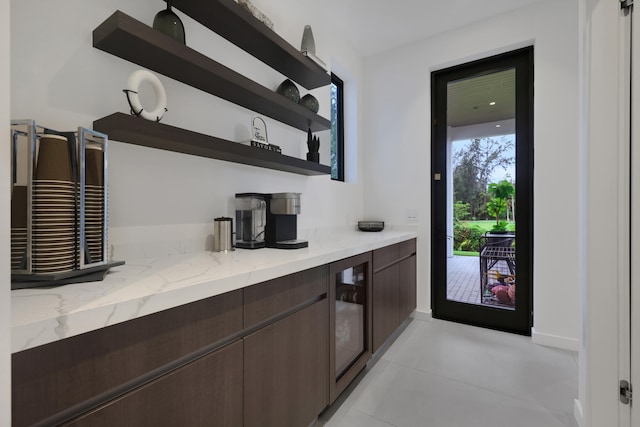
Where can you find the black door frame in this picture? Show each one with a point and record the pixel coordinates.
(519, 320)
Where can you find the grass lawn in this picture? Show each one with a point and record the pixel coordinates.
(465, 253)
(486, 225)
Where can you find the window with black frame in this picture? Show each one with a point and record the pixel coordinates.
(337, 128)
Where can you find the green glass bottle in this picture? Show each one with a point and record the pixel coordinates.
(167, 22)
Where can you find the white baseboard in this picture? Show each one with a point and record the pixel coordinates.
(577, 412)
(548, 340)
(555, 341)
(421, 315)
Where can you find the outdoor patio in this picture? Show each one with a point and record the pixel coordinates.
(463, 279)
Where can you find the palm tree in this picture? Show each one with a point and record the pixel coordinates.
(500, 193)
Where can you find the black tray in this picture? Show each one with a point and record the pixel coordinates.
(91, 274)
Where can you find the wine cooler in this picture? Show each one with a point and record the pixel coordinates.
(350, 317)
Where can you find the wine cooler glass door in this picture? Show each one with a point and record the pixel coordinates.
(350, 317)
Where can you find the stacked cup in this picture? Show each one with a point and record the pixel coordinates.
(18, 226)
(94, 202)
(54, 208)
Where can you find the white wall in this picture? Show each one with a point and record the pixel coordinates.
(60, 80)
(5, 309)
(397, 123)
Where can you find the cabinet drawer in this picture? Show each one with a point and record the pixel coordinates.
(386, 256)
(206, 392)
(269, 299)
(286, 368)
(51, 378)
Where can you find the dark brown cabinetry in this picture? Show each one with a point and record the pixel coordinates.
(408, 285)
(285, 370)
(385, 304)
(269, 300)
(286, 362)
(260, 352)
(58, 381)
(272, 354)
(394, 289)
(203, 393)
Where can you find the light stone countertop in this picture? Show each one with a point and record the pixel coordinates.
(138, 288)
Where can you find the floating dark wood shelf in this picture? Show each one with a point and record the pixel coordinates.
(129, 39)
(234, 23)
(134, 130)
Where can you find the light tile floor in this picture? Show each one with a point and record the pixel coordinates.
(443, 374)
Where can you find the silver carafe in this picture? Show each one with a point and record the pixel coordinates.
(222, 234)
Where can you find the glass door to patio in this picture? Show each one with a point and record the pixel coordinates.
(482, 166)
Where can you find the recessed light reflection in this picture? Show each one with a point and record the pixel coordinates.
(498, 126)
(492, 103)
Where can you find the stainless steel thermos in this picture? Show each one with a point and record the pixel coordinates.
(222, 234)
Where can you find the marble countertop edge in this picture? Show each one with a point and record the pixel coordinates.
(143, 287)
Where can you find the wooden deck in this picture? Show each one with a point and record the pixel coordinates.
(463, 279)
(463, 282)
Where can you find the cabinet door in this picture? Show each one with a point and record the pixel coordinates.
(386, 304)
(388, 255)
(408, 282)
(286, 370)
(394, 291)
(205, 392)
(266, 300)
(350, 311)
(50, 379)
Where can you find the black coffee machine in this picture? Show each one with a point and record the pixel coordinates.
(281, 230)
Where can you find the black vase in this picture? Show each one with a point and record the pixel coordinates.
(310, 102)
(168, 23)
(289, 90)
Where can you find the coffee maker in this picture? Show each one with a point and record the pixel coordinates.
(282, 221)
(268, 220)
(251, 220)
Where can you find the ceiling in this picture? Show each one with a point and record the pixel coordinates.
(484, 99)
(373, 26)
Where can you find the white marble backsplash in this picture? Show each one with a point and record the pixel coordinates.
(170, 272)
(143, 242)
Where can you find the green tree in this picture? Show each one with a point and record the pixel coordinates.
(461, 211)
(334, 130)
(500, 193)
(473, 167)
